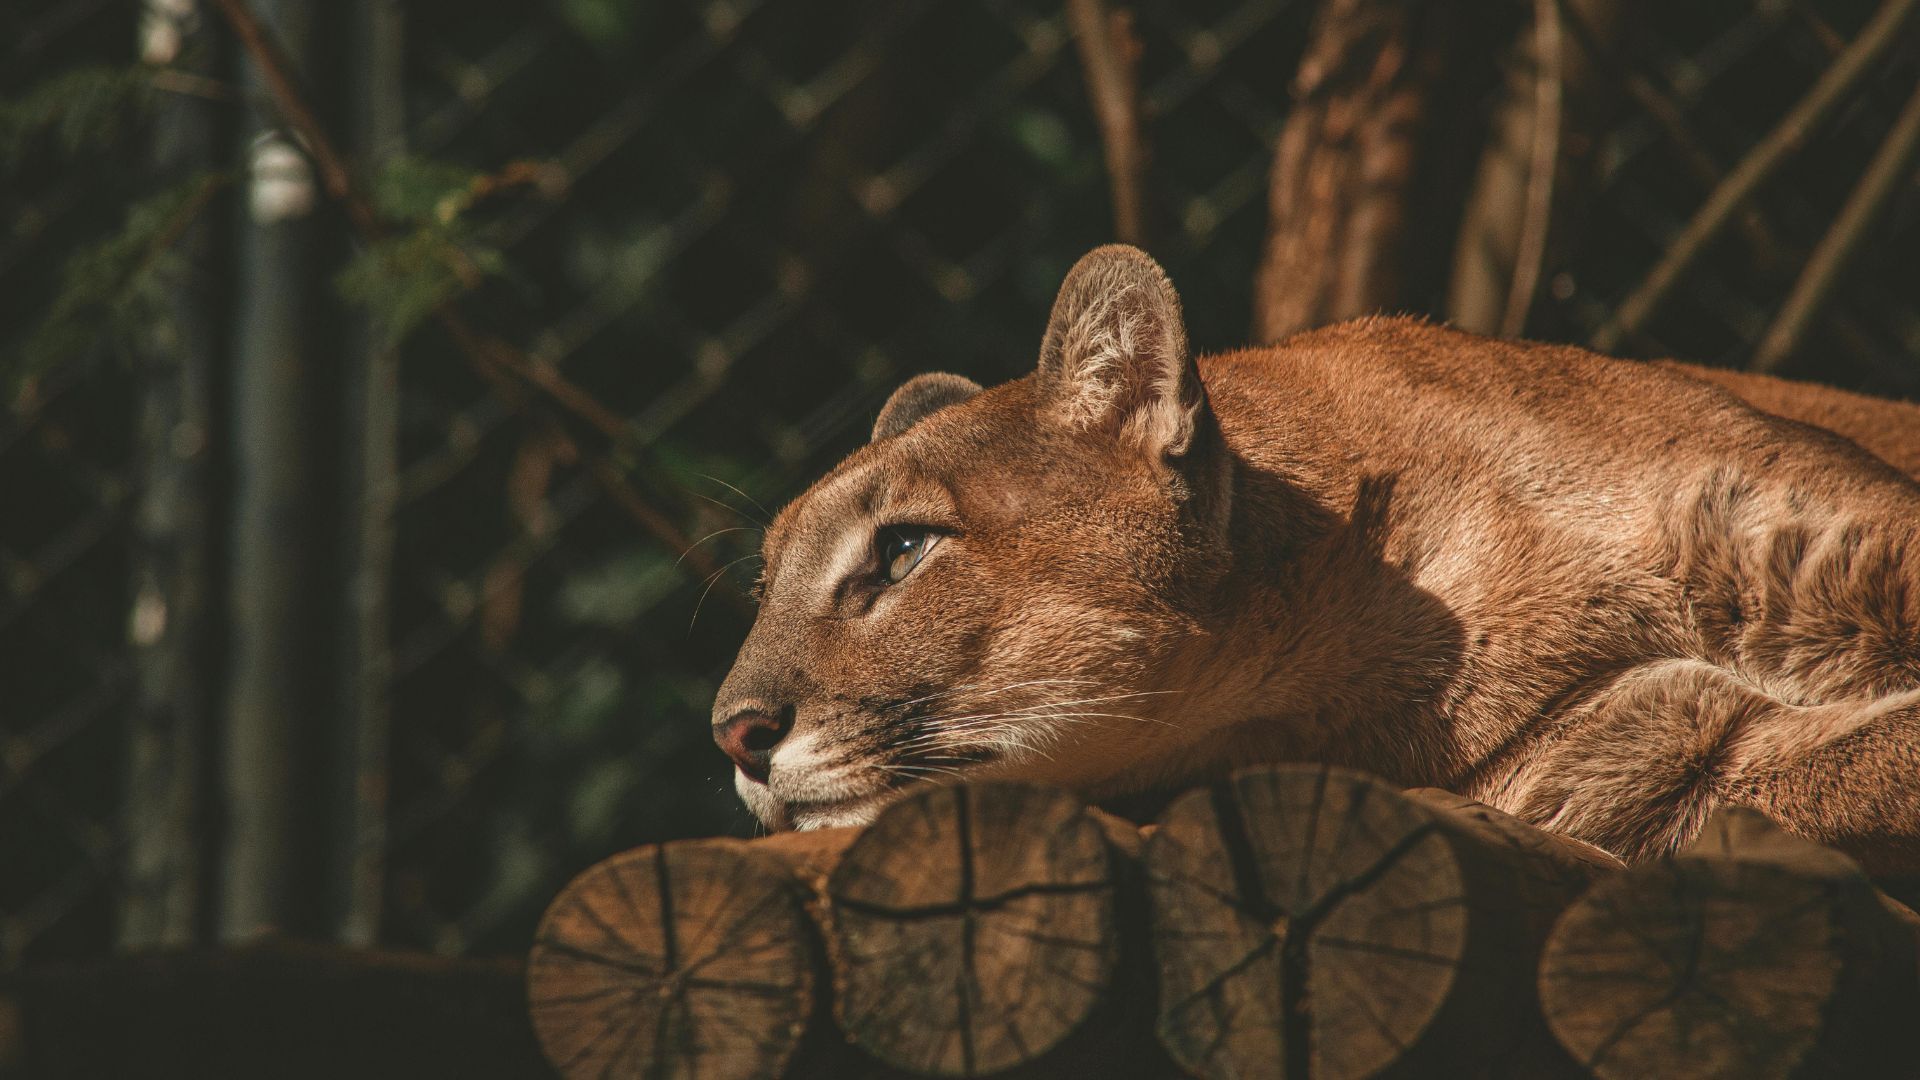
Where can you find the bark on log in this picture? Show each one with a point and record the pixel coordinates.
(1309, 920)
(694, 958)
(1752, 954)
(976, 929)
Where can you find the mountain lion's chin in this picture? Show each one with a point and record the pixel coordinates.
(803, 817)
(818, 809)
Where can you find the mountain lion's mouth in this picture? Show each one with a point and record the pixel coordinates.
(837, 799)
(832, 813)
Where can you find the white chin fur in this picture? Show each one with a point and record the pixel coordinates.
(778, 814)
(835, 816)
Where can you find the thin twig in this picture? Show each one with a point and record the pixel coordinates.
(1666, 115)
(189, 84)
(1779, 144)
(1657, 106)
(277, 70)
(497, 363)
(183, 218)
(1110, 57)
(1891, 166)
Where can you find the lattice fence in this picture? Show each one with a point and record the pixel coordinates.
(737, 225)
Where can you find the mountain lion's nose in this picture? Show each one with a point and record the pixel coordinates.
(749, 736)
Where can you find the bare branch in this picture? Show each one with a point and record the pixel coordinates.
(1781, 143)
(1110, 58)
(1549, 84)
(1890, 167)
(1525, 175)
(277, 70)
(1659, 108)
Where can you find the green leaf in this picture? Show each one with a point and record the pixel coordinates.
(402, 279)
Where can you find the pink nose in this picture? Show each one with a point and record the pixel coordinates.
(749, 736)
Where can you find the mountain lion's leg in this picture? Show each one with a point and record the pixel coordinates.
(1847, 775)
(1638, 765)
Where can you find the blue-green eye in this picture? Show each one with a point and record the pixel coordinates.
(901, 548)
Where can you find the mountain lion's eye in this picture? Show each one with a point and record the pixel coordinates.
(901, 549)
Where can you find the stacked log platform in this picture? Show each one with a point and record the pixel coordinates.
(1293, 921)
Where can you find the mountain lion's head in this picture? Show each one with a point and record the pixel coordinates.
(1002, 582)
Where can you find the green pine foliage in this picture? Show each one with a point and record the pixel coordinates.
(114, 292)
(110, 288)
(83, 109)
(436, 257)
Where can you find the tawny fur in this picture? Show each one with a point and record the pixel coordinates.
(1604, 596)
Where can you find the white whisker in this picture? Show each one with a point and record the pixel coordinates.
(729, 508)
(712, 580)
(764, 512)
(951, 691)
(711, 535)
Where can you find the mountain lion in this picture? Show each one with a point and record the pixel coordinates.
(1603, 596)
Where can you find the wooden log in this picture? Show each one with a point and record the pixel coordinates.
(707, 958)
(974, 929)
(1311, 920)
(1752, 954)
(695, 958)
(276, 1009)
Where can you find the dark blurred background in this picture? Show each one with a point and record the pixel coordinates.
(345, 585)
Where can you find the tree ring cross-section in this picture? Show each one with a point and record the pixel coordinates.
(973, 928)
(1314, 921)
(680, 959)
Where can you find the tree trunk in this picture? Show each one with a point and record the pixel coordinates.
(1382, 104)
(275, 709)
(176, 588)
(368, 460)
(1312, 921)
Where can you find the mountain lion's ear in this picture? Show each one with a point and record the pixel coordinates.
(1115, 354)
(919, 396)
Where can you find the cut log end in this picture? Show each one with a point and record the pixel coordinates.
(1693, 968)
(973, 928)
(1754, 954)
(674, 960)
(1307, 921)
(1314, 921)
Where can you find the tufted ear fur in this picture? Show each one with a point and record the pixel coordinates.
(919, 396)
(1115, 354)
